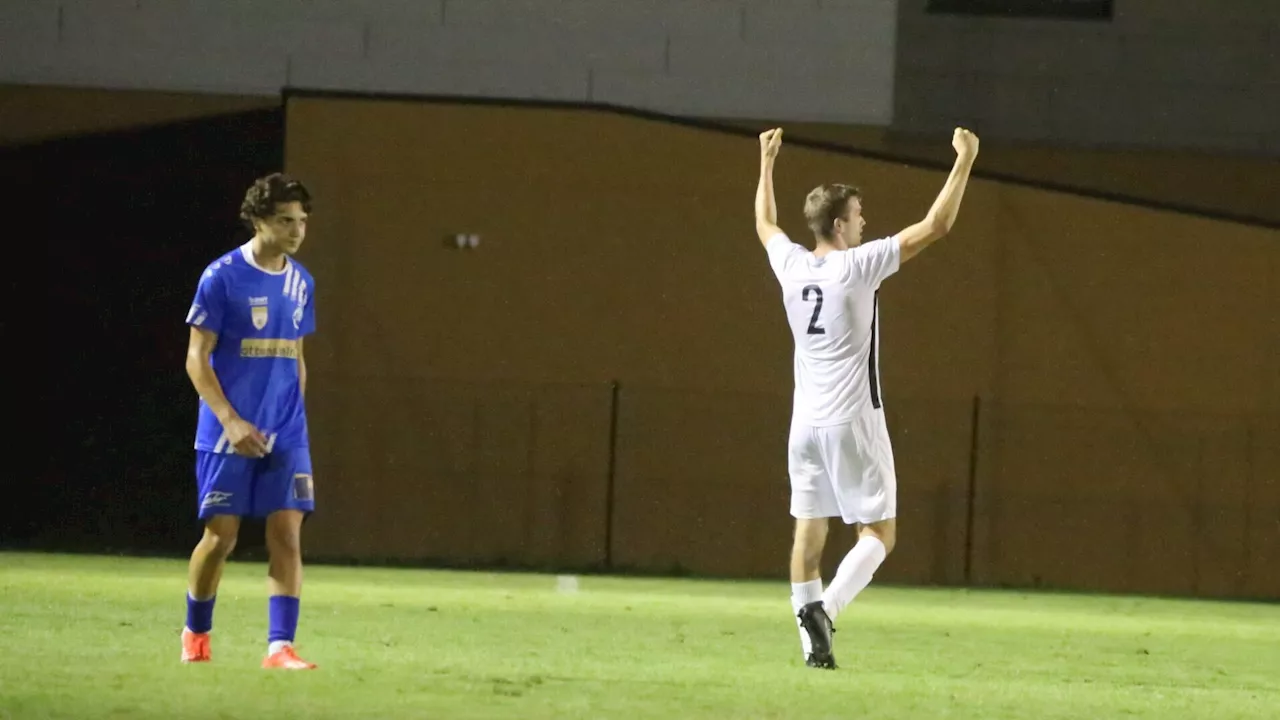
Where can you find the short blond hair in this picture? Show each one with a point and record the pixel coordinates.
(825, 204)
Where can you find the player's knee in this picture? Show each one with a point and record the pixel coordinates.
(885, 532)
(284, 540)
(810, 538)
(284, 544)
(219, 542)
(285, 522)
(888, 542)
(807, 548)
(812, 551)
(813, 557)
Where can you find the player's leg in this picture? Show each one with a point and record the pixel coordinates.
(222, 490)
(284, 583)
(806, 550)
(806, 580)
(875, 542)
(812, 504)
(866, 488)
(284, 494)
(204, 571)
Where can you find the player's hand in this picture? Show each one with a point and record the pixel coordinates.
(770, 141)
(965, 143)
(245, 438)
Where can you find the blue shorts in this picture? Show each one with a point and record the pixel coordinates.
(254, 487)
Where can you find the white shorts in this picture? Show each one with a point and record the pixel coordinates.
(843, 471)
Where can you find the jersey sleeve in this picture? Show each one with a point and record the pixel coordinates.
(872, 263)
(308, 302)
(781, 250)
(209, 305)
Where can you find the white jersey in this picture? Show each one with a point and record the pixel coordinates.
(831, 305)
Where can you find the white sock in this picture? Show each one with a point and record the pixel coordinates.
(853, 575)
(277, 645)
(802, 594)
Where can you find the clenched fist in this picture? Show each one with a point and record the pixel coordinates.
(770, 141)
(965, 143)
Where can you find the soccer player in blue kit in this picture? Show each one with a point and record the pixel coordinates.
(252, 309)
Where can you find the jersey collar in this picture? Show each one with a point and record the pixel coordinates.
(247, 251)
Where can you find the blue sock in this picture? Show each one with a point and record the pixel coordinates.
(282, 613)
(199, 614)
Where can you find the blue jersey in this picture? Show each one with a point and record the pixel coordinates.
(260, 318)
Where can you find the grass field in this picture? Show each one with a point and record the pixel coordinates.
(97, 637)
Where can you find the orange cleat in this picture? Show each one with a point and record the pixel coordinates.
(286, 659)
(195, 647)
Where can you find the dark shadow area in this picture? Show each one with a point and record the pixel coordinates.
(123, 223)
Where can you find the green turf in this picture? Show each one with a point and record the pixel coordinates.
(97, 637)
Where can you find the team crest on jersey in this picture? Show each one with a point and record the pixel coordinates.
(258, 310)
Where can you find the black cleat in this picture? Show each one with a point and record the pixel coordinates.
(815, 622)
(813, 662)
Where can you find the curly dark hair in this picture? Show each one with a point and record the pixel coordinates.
(267, 192)
(825, 204)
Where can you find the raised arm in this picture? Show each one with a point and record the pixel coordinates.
(945, 208)
(766, 207)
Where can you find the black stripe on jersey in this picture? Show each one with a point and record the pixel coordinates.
(873, 367)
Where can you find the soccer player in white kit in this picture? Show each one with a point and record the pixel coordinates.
(838, 455)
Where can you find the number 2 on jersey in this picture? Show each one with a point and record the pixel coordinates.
(814, 327)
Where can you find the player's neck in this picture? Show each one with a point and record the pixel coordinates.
(822, 247)
(265, 257)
